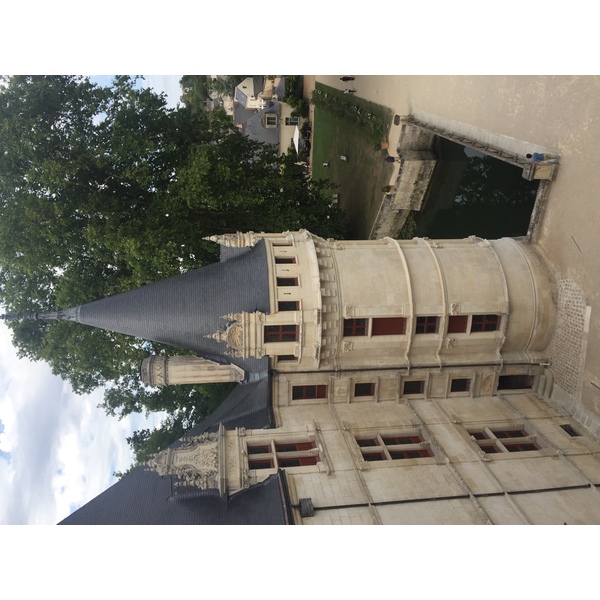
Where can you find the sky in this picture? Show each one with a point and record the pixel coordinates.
(58, 450)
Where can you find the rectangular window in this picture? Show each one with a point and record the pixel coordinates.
(354, 327)
(309, 392)
(378, 447)
(515, 382)
(485, 323)
(292, 120)
(287, 358)
(285, 260)
(460, 385)
(271, 120)
(413, 387)
(570, 430)
(457, 323)
(275, 455)
(364, 389)
(287, 281)
(281, 333)
(496, 441)
(388, 326)
(288, 305)
(427, 324)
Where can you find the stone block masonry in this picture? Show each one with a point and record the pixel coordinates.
(567, 344)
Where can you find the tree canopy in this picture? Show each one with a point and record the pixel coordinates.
(103, 189)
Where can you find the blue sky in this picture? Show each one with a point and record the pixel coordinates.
(58, 450)
(169, 84)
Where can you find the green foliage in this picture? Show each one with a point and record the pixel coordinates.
(195, 91)
(370, 117)
(293, 87)
(409, 229)
(293, 95)
(186, 406)
(225, 85)
(109, 190)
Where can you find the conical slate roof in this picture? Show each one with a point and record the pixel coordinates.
(183, 310)
(145, 498)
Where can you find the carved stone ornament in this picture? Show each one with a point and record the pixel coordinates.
(347, 346)
(195, 462)
(235, 336)
(486, 385)
(450, 342)
(454, 308)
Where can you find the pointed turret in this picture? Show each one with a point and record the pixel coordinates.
(185, 311)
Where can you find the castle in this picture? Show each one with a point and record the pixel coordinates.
(379, 382)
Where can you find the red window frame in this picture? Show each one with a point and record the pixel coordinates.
(364, 389)
(261, 463)
(480, 323)
(297, 461)
(309, 392)
(402, 454)
(373, 456)
(460, 384)
(505, 434)
(280, 333)
(287, 281)
(388, 326)
(288, 305)
(521, 447)
(458, 323)
(413, 387)
(354, 327)
(427, 324)
(397, 440)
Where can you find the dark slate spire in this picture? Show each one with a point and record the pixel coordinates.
(183, 310)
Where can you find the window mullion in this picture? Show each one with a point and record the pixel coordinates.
(274, 453)
(502, 447)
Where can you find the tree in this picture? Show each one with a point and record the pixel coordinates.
(225, 85)
(109, 189)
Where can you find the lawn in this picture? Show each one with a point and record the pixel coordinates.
(352, 127)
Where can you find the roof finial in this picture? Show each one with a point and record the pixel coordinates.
(70, 314)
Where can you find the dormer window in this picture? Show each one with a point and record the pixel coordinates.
(270, 121)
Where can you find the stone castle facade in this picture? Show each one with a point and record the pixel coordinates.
(408, 383)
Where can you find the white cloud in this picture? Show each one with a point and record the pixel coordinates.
(63, 449)
(58, 450)
(169, 84)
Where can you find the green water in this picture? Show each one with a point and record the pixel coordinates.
(476, 195)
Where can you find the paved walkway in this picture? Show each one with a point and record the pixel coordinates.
(533, 113)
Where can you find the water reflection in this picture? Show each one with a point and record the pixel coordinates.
(474, 194)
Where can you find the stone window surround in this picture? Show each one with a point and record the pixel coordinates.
(381, 444)
(279, 333)
(469, 325)
(278, 452)
(499, 438)
(463, 388)
(306, 392)
(364, 326)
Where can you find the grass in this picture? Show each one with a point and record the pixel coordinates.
(343, 127)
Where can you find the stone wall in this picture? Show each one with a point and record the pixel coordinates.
(411, 184)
